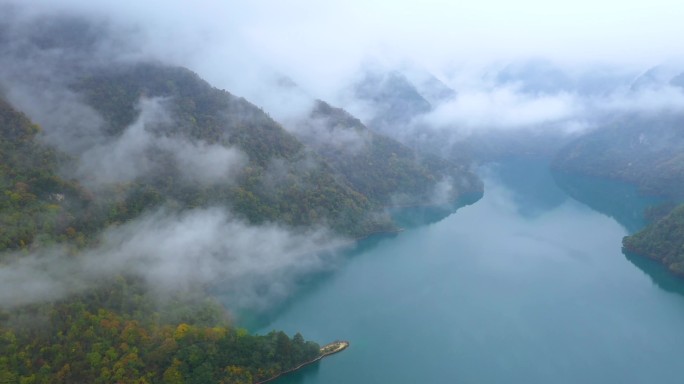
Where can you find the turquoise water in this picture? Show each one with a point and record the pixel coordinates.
(527, 285)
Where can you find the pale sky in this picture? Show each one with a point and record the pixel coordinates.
(333, 33)
(438, 30)
(321, 44)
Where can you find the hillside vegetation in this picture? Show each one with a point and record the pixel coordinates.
(306, 191)
(382, 169)
(663, 241)
(112, 333)
(36, 205)
(644, 150)
(126, 149)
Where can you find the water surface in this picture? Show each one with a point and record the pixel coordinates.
(527, 285)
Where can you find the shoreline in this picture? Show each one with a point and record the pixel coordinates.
(326, 350)
(377, 233)
(460, 202)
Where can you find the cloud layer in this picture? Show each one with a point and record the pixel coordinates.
(320, 45)
(252, 266)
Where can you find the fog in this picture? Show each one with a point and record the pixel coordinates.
(321, 45)
(501, 108)
(247, 47)
(486, 108)
(133, 154)
(324, 134)
(252, 266)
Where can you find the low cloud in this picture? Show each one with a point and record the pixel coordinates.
(67, 122)
(136, 153)
(443, 192)
(324, 134)
(503, 108)
(651, 100)
(483, 107)
(251, 266)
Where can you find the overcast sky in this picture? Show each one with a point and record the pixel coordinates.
(238, 46)
(311, 38)
(441, 30)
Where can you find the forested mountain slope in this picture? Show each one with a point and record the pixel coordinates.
(386, 171)
(114, 332)
(36, 205)
(146, 191)
(647, 150)
(392, 97)
(280, 180)
(663, 241)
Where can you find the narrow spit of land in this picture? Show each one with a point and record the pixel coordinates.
(326, 350)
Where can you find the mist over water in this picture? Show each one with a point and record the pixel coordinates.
(526, 285)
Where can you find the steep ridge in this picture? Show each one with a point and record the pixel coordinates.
(386, 171)
(306, 189)
(36, 205)
(392, 97)
(644, 150)
(663, 241)
(115, 331)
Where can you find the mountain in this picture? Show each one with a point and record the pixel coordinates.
(662, 241)
(645, 150)
(386, 171)
(654, 78)
(677, 81)
(114, 334)
(392, 97)
(429, 86)
(306, 189)
(136, 194)
(124, 147)
(537, 77)
(115, 331)
(36, 205)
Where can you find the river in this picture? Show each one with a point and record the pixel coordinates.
(528, 285)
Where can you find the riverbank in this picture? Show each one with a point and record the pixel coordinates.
(326, 350)
(444, 209)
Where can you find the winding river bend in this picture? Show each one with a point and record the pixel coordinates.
(527, 285)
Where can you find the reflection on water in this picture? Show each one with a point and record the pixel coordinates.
(525, 285)
(406, 218)
(413, 217)
(532, 186)
(618, 200)
(261, 317)
(627, 206)
(658, 273)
